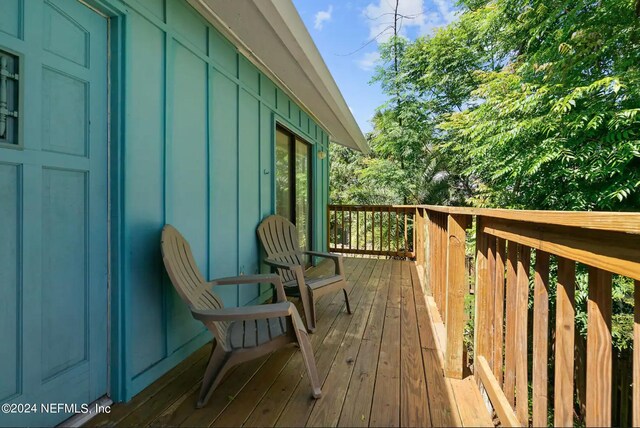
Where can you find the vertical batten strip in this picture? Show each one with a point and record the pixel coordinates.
(540, 338)
(565, 330)
(510, 333)
(522, 290)
(599, 348)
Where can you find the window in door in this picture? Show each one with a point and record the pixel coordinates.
(293, 183)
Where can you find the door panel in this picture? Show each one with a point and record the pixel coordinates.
(53, 233)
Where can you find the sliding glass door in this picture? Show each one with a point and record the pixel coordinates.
(293, 183)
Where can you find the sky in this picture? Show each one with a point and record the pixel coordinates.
(347, 33)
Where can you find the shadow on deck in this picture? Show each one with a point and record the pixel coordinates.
(381, 366)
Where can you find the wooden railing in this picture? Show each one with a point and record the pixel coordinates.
(526, 354)
(381, 230)
(510, 339)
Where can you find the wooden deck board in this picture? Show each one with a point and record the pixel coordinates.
(413, 387)
(297, 411)
(380, 366)
(270, 407)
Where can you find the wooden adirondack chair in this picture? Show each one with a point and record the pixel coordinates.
(280, 241)
(243, 333)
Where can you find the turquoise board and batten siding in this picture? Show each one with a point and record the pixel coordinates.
(192, 144)
(198, 153)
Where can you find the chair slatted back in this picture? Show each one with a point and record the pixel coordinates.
(279, 238)
(188, 280)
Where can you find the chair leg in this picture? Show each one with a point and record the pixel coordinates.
(312, 322)
(309, 310)
(216, 369)
(310, 363)
(346, 300)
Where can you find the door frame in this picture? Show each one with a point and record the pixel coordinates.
(115, 13)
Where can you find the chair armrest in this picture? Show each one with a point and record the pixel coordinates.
(297, 270)
(337, 260)
(246, 279)
(281, 265)
(253, 279)
(322, 254)
(273, 310)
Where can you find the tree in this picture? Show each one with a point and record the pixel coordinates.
(553, 124)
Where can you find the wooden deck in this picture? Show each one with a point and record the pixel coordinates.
(381, 366)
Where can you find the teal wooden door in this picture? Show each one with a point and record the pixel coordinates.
(53, 209)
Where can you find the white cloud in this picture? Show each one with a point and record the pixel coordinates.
(322, 17)
(416, 14)
(369, 61)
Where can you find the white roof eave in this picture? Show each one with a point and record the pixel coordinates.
(271, 34)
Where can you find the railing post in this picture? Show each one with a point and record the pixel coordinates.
(455, 292)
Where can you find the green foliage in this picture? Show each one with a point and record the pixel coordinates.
(531, 104)
(553, 123)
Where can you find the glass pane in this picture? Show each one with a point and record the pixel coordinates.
(303, 193)
(283, 176)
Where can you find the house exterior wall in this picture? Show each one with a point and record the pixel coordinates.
(198, 153)
(191, 126)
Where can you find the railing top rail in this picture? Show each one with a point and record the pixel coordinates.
(627, 222)
(367, 206)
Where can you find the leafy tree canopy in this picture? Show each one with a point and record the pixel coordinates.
(517, 104)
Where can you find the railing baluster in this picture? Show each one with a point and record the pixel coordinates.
(522, 387)
(342, 229)
(442, 263)
(419, 226)
(565, 327)
(373, 230)
(482, 338)
(381, 235)
(364, 221)
(456, 291)
(511, 317)
(599, 348)
(335, 229)
(540, 338)
(491, 289)
(357, 228)
(406, 241)
(498, 334)
(397, 231)
(389, 230)
(328, 227)
(350, 227)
